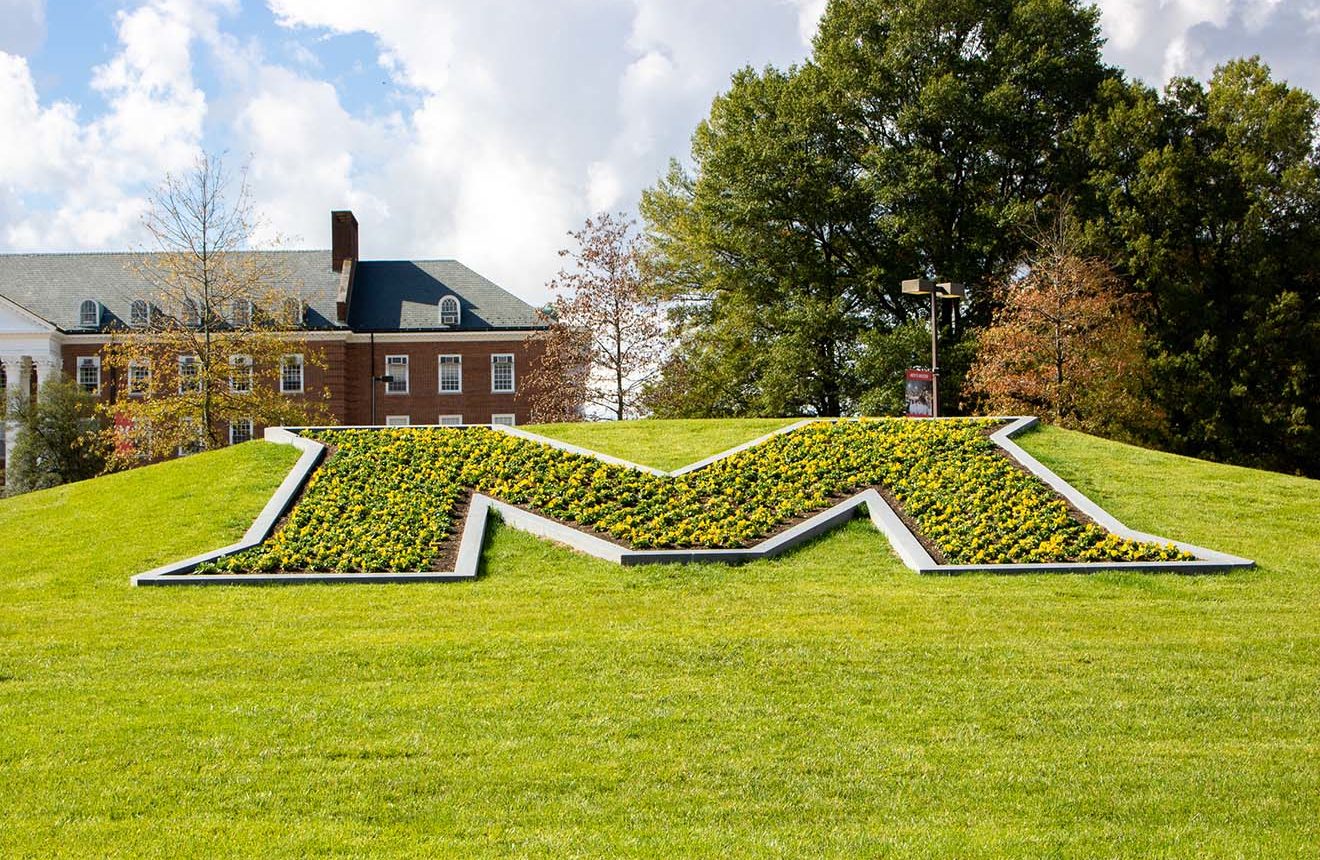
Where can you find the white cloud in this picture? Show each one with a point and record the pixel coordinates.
(1157, 40)
(502, 124)
(809, 12)
(532, 116)
(303, 147)
(41, 155)
(87, 177)
(24, 26)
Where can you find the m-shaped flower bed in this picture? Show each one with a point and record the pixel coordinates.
(387, 500)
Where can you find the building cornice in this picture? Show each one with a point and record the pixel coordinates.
(502, 336)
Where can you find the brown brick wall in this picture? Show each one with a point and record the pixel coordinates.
(346, 368)
(424, 404)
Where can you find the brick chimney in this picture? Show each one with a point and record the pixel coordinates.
(343, 239)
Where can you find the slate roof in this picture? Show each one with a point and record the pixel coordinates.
(404, 295)
(387, 296)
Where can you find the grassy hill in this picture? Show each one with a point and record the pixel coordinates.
(826, 703)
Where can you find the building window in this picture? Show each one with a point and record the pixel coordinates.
(451, 374)
(89, 314)
(139, 378)
(291, 374)
(139, 314)
(505, 418)
(190, 379)
(449, 314)
(190, 317)
(240, 431)
(396, 367)
(89, 373)
(398, 420)
(451, 420)
(192, 438)
(293, 312)
(240, 374)
(240, 313)
(501, 373)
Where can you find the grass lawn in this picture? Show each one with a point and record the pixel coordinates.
(826, 703)
(662, 444)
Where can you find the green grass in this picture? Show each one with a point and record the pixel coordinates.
(826, 703)
(662, 444)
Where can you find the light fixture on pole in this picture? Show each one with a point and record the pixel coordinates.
(387, 379)
(943, 290)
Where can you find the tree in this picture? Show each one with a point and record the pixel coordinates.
(886, 356)
(1206, 198)
(916, 135)
(606, 334)
(58, 439)
(1065, 345)
(211, 333)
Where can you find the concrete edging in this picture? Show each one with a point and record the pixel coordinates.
(909, 549)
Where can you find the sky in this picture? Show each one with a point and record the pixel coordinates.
(482, 130)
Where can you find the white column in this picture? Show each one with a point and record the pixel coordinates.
(18, 376)
(45, 370)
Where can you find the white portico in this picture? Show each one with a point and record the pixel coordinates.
(29, 353)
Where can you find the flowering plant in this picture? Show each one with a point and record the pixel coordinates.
(386, 500)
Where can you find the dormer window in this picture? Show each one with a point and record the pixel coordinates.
(293, 312)
(449, 311)
(240, 313)
(139, 313)
(89, 314)
(190, 316)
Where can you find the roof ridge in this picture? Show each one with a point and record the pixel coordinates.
(121, 253)
(419, 260)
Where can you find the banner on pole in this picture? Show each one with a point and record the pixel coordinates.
(919, 392)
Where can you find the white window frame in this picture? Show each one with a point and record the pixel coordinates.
(450, 420)
(295, 312)
(196, 362)
(441, 364)
(145, 380)
(133, 318)
(237, 319)
(92, 361)
(297, 360)
(251, 427)
(190, 314)
(95, 321)
(451, 312)
(513, 378)
(235, 362)
(392, 362)
(507, 419)
(398, 420)
(197, 446)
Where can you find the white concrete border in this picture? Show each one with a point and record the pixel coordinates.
(883, 517)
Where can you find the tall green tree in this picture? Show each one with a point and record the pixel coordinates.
(915, 137)
(772, 244)
(58, 439)
(956, 112)
(1208, 197)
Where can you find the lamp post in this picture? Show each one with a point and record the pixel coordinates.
(944, 290)
(387, 379)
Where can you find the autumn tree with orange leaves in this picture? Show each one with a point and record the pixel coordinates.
(1066, 345)
(606, 330)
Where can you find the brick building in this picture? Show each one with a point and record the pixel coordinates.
(455, 344)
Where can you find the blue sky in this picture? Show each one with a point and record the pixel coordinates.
(478, 130)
